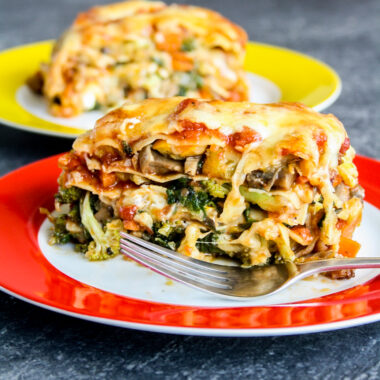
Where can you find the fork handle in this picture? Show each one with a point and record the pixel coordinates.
(313, 267)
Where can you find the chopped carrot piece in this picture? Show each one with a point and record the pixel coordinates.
(205, 93)
(348, 247)
(348, 228)
(108, 179)
(131, 225)
(182, 62)
(235, 96)
(172, 42)
(301, 180)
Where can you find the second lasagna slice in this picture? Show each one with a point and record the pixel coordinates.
(142, 49)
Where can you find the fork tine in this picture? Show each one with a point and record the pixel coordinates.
(196, 264)
(179, 265)
(188, 279)
(172, 264)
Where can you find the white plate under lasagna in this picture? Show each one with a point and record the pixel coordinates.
(255, 183)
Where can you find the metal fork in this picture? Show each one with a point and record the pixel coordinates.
(231, 281)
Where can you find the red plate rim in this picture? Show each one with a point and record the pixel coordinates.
(25, 273)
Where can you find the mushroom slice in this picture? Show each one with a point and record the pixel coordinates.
(104, 213)
(285, 179)
(151, 162)
(357, 192)
(342, 192)
(278, 177)
(263, 179)
(191, 165)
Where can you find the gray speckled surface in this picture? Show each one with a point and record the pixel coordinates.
(38, 344)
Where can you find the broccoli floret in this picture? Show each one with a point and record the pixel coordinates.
(167, 235)
(215, 189)
(60, 234)
(74, 213)
(61, 237)
(66, 225)
(81, 247)
(112, 248)
(68, 195)
(164, 229)
(104, 241)
(188, 44)
(209, 244)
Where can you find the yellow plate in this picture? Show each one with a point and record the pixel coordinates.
(299, 77)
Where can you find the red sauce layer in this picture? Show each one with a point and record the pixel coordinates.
(346, 144)
(246, 136)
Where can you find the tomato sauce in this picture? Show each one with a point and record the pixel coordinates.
(127, 213)
(184, 104)
(345, 146)
(340, 224)
(109, 157)
(301, 180)
(246, 136)
(335, 178)
(193, 131)
(321, 139)
(70, 161)
(101, 181)
(304, 233)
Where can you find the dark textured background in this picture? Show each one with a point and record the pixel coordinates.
(38, 344)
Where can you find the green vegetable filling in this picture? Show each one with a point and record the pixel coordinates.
(188, 44)
(216, 189)
(196, 79)
(182, 90)
(68, 195)
(61, 235)
(192, 81)
(167, 235)
(181, 192)
(209, 244)
(105, 240)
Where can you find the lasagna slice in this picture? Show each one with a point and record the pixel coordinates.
(140, 49)
(256, 183)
